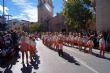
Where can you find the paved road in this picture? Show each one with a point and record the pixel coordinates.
(74, 61)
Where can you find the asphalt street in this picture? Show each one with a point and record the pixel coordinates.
(73, 61)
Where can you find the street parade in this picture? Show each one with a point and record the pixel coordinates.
(82, 42)
(13, 42)
(54, 36)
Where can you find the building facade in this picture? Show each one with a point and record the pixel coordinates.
(103, 15)
(45, 13)
(47, 20)
(56, 24)
(45, 10)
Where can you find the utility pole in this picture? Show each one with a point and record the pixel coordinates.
(8, 17)
(3, 11)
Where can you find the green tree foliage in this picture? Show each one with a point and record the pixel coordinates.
(77, 13)
(34, 27)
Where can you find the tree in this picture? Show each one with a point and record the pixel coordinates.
(34, 27)
(77, 13)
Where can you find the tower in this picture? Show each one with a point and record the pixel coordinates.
(45, 11)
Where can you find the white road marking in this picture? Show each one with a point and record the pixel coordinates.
(83, 62)
(78, 59)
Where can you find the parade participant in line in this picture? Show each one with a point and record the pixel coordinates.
(90, 44)
(55, 41)
(49, 43)
(102, 45)
(85, 40)
(52, 40)
(32, 46)
(66, 39)
(42, 37)
(24, 46)
(46, 38)
(76, 39)
(72, 40)
(79, 41)
(60, 43)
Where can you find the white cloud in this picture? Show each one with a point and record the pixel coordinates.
(6, 9)
(21, 16)
(29, 12)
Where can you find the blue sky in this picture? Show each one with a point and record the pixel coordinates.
(26, 9)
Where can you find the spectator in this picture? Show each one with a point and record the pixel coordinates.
(108, 41)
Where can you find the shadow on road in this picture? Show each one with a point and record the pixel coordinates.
(27, 69)
(66, 56)
(97, 55)
(8, 63)
(34, 64)
(70, 58)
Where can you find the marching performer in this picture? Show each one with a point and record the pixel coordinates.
(72, 40)
(102, 45)
(90, 44)
(85, 40)
(24, 46)
(79, 41)
(60, 43)
(76, 39)
(32, 47)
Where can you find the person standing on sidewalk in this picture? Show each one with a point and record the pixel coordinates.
(108, 42)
